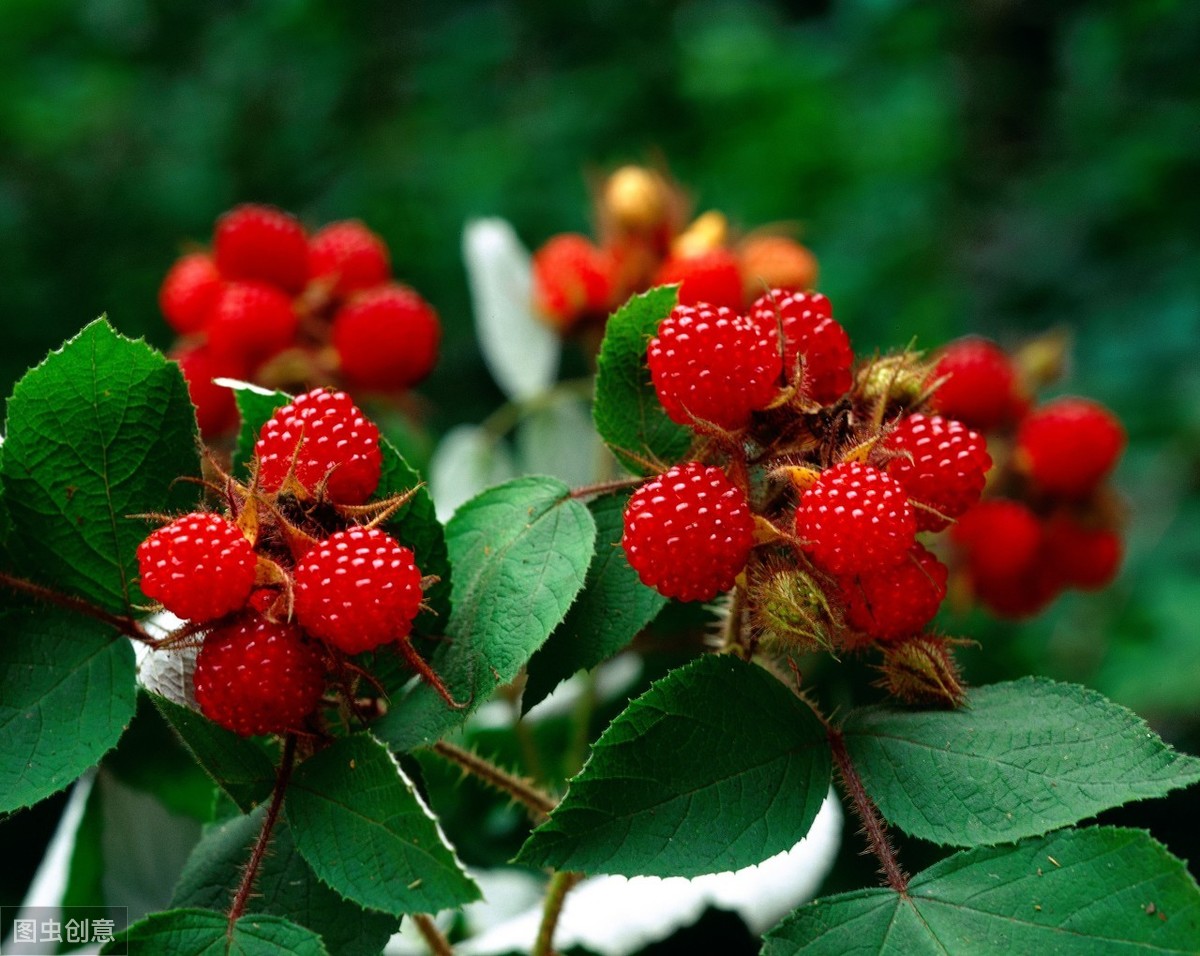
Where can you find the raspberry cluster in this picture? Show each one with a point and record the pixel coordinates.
(645, 239)
(293, 577)
(810, 483)
(1049, 521)
(274, 304)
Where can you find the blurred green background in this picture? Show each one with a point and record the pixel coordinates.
(999, 167)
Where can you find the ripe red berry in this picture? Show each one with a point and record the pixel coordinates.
(337, 444)
(1068, 446)
(200, 566)
(713, 277)
(251, 322)
(897, 601)
(358, 589)
(189, 293)
(254, 676)
(854, 519)
(216, 410)
(386, 338)
(688, 532)
(1083, 557)
(941, 464)
(349, 257)
(999, 538)
(814, 344)
(572, 279)
(709, 365)
(980, 384)
(1019, 595)
(264, 244)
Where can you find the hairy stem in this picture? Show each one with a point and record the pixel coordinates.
(873, 826)
(603, 487)
(126, 625)
(556, 894)
(538, 803)
(434, 938)
(250, 875)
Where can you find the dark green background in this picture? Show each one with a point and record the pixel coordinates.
(999, 167)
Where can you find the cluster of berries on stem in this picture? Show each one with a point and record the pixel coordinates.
(293, 577)
(273, 304)
(645, 239)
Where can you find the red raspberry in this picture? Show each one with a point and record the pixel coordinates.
(712, 278)
(854, 519)
(1069, 446)
(897, 601)
(999, 538)
(980, 384)
(251, 322)
(709, 365)
(942, 464)
(1019, 595)
(337, 443)
(810, 336)
(572, 280)
(386, 338)
(688, 532)
(216, 410)
(189, 292)
(358, 589)
(349, 257)
(1083, 557)
(200, 566)
(262, 243)
(254, 676)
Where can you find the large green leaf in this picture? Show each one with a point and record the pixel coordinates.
(613, 606)
(1102, 890)
(241, 767)
(520, 553)
(286, 887)
(1023, 758)
(67, 692)
(198, 932)
(101, 430)
(357, 822)
(627, 412)
(716, 767)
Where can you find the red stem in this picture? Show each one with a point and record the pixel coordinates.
(864, 808)
(126, 625)
(246, 887)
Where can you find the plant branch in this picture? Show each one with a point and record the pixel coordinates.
(556, 894)
(246, 887)
(878, 842)
(434, 938)
(538, 803)
(126, 625)
(603, 487)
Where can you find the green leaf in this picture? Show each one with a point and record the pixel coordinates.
(627, 411)
(1024, 758)
(67, 692)
(255, 406)
(1102, 890)
(612, 608)
(716, 767)
(520, 553)
(241, 767)
(199, 932)
(360, 826)
(286, 887)
(101, 430)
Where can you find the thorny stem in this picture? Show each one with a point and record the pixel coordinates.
(556, 894)
(126, 625)
(873, 826)
(731, 638)
(600, 488)
(536, 801)
(434, 938)
(246, 887)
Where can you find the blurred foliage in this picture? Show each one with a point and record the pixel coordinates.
(1002, 167)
